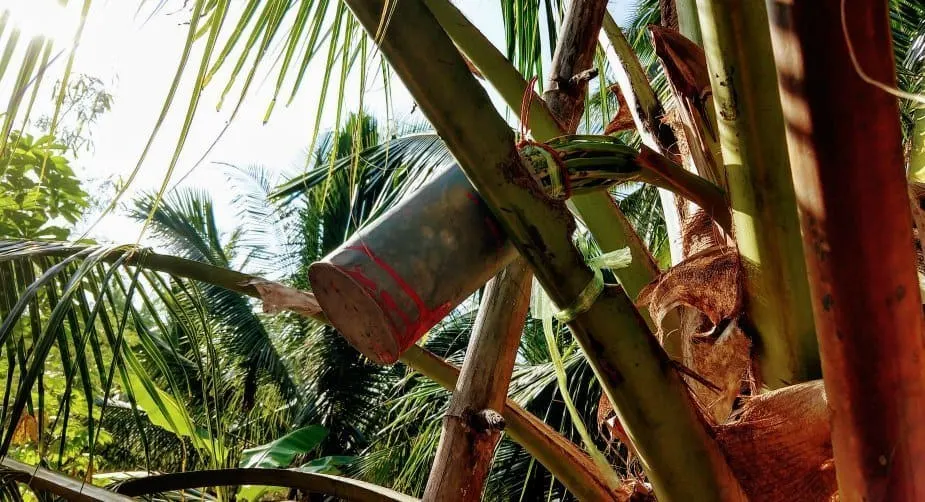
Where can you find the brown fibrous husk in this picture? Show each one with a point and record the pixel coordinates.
(778, 445)
(714, 346)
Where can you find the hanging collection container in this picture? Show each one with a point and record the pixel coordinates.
(401, 274)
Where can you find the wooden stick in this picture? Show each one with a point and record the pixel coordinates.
(470, 429)
(46, 481)
(565, 460)
(342, 488)
(698, 190)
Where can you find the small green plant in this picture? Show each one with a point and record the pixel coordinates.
(40, 197)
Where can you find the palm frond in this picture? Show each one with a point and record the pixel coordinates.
(185, 220)
(530, 30)
(73, 328)
(907, 21)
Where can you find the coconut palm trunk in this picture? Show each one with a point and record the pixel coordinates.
(857, 231)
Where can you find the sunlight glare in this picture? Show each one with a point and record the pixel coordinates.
(46, 18)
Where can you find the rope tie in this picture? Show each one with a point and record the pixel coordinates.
(560, 187)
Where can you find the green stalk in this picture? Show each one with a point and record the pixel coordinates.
(545, 311)
(689, 20)
(916, 170)
(661, 170)
(647, 113)
(743, 77)
(287, 298)
(682, 461)
(599, 213)
(917, 152)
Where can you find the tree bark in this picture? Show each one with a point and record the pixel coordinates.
(468, 440)
(845, 149)
(472, 425)
(574, 54)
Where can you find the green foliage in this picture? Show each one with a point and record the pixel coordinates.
(165, 411)
(281, 452)
(907, 20)
(39, 193)
(185, 222)
(186, 370)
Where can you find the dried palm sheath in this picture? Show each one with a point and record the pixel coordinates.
(779, 443)
(401, 274)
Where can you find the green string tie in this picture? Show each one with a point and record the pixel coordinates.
(621, 258)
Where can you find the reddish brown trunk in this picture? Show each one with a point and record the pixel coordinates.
(844, 142)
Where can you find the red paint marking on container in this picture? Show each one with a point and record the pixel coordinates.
(357, 274)
(392, 306)
(425, 318)
(370, 286)
(430, 319)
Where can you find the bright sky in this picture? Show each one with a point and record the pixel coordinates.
(136, 57)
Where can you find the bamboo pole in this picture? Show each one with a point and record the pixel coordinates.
(470, 429)
(846, 156)
(754, 150)
(472, 424)
(682, 461)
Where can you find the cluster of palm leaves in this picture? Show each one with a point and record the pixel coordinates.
(112, 366)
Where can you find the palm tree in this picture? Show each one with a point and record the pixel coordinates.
(107, 299)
